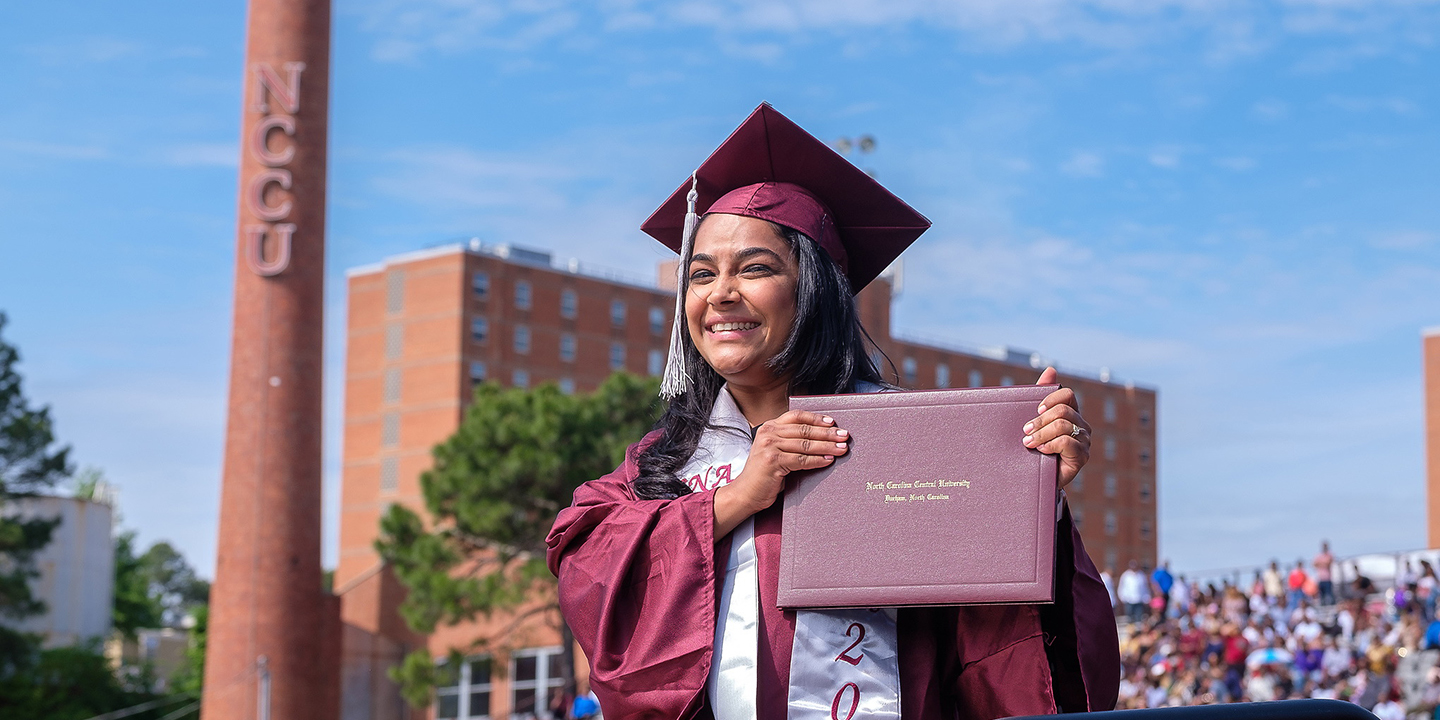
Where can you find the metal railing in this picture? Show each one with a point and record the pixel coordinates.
(1281, 710)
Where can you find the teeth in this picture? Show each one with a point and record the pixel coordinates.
(723, 327)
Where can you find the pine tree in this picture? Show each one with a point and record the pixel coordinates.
(29, 464)
(492, 496)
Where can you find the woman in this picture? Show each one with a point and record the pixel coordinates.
(667, 566)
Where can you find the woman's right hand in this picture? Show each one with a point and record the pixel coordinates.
(797, 440)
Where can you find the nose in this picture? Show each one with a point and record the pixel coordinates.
(723, 291)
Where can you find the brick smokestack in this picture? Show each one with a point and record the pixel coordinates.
(267, 601)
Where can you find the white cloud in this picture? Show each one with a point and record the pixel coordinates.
(1404, 240)
(201, 155)
(1084, 164)
(81, 51)
(1165, 157)
(1395, 105)
(1238, 163)
(1270, 109)
(55, 151)
(1232, 29)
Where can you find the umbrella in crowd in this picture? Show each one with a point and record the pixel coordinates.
(1269, 656)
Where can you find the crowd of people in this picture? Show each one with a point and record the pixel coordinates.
(1292, 633)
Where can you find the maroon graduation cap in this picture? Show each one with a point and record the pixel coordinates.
(771, 169)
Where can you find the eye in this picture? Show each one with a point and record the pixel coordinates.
(757, 269)
(700, 274)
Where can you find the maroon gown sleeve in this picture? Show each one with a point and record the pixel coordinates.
(637, 587)
(1081, 637)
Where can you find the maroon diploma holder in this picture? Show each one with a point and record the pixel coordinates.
(937, 503)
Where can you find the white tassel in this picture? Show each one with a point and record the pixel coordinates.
(676, 380)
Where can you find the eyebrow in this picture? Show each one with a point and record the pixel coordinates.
(745, 254)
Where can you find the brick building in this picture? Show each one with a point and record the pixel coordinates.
(424, 327)
(1430, 359)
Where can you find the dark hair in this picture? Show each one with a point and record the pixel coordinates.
(825, 353)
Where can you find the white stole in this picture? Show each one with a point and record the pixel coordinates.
(844, 664)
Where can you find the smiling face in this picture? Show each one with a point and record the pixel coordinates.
(740, 304)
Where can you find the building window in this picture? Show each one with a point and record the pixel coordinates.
(389, 475)
(1145, 529)
(1078, 516)
(942, 376)
(1145, 456)
(477, 372)
(1145, 492)
(395, 291)
(535, 680)
(975, 379)
(464, 694)
(567, 347)
(655, 362)
(617, 313)
(390, 429)
(479, 329)
(1109, 448)
(522, 339)
(394, 341)
(567, 386)
(392, 385)
(1109, 410)
(1144, 418)
(908, 367)
(657, 321)
(1112, 526)
(1111, 484)
(1078, 483)
(522, 295)
(480, 283)
(1111, 558)
(617, 356)
(569, 304)
(520, 378)
(1007, 381)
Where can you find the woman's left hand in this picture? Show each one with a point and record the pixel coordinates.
(1054, 432)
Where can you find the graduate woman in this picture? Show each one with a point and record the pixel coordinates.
(668, 566)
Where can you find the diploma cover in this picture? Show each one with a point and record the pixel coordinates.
(937, 503)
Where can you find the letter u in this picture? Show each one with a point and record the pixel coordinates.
(255, 249)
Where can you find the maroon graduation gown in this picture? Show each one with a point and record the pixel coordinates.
(639, 587)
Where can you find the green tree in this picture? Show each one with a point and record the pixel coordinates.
(29, 464)
(134, 607)
(173, 584)
(190, 679)
(492, 495)
(70, 683)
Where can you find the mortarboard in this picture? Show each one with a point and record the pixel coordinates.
(770, 168)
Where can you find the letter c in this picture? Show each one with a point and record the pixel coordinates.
(259, 140)
(256, 198)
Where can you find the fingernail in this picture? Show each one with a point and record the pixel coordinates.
(1028, 438)
(1042, 407)
(842, 433)
(829, 421)
(1029, 426)
(842, 446)
(829, 458)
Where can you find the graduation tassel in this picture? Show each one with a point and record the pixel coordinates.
(677, 377)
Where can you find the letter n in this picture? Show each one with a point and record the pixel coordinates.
(285, 93)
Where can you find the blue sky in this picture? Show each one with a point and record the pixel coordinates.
(1233, 202)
